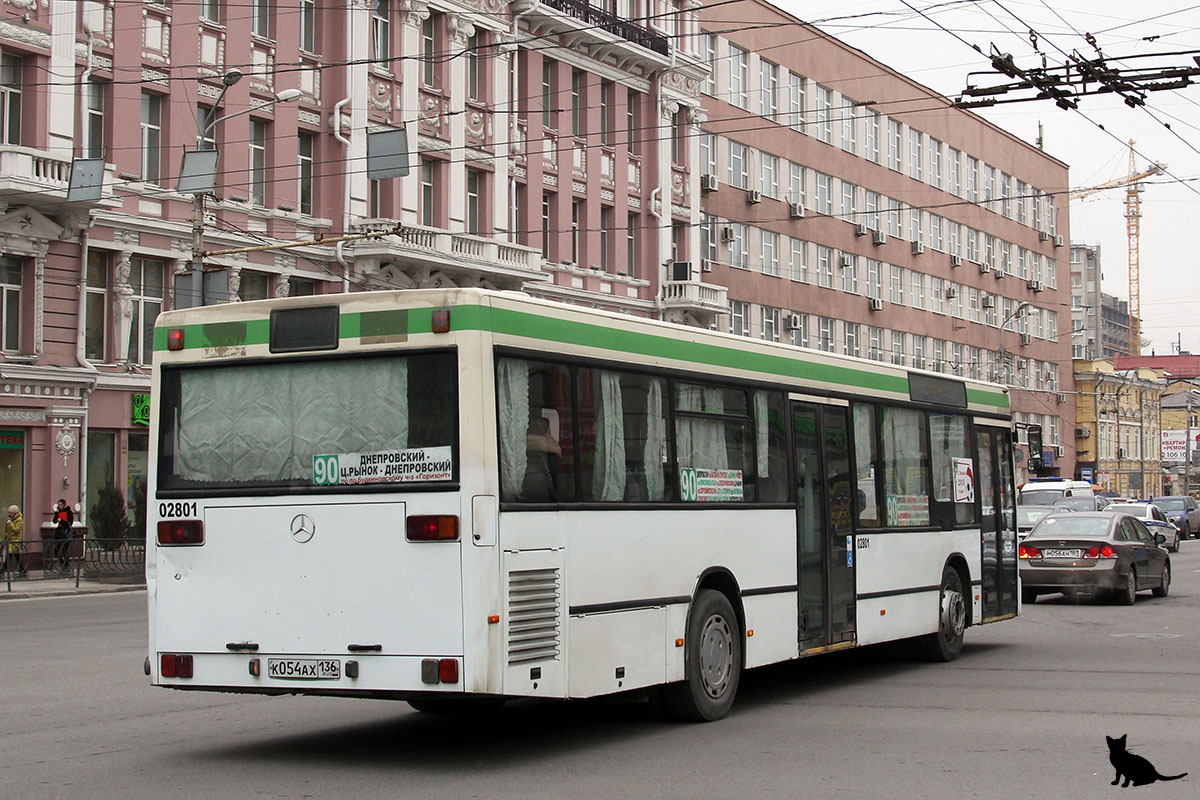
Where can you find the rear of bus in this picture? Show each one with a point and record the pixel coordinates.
(305, 507)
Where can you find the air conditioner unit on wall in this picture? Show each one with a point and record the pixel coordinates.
(1026, 338)
(875, 303)
(796, 210)
(989, 301)
(951, 291)
(754, 196)
(1043, 236)
(880, 237)
(1059, 450)
(984, 269)
(860, 229)
(847, 260)
(706, 265)
(709, 183)
(1035, 284)
(1083, 433)
(955, 260)
(918, 248)
(728, 234)
(1058, 240)
(1060, 397)
(793, 322)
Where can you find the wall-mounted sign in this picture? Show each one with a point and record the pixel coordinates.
(141, 409)
(12, 440)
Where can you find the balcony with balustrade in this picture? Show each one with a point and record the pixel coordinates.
(31, 177)
(694, 301)
(463, 259)
(601, 33)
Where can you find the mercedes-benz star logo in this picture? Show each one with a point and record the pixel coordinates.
(303, 528)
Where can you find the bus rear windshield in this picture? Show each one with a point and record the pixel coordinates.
(384, 421)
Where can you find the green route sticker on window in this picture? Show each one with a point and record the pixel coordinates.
(710, 485)
(384, 466)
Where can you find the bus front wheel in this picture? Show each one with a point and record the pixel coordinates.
(712, 661)
(946, 644)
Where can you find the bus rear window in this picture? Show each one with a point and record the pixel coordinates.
(330, 422)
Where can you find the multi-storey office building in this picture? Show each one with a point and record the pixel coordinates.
(551, 154)
(1099, 321)
(850, 209)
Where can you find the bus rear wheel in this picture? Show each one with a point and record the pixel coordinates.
(946, 644)
(712, 661)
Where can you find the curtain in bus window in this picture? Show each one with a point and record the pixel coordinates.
(608, 466)
(356, 407)
(865, 460)
(701, 442)
(905, 487)
(656, 441)
(762, 434)
(771, 441)
(512, 406)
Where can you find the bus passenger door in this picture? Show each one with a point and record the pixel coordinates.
(998, 525)
(825, 542)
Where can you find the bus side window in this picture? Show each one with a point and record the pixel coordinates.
(624, 437)
(536, 430)
(866, 463)
(770, 427)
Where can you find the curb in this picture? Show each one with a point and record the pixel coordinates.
(71, 592)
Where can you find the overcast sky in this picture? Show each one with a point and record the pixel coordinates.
(890, 31)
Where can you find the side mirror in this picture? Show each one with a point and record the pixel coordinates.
(1160, 538)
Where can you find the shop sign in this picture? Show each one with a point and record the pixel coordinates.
(141, 409)
(12, 440)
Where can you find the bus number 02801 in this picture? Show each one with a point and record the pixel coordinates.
(169, 510)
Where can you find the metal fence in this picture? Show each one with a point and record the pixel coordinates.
(115, 560)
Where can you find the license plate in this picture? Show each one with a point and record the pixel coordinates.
(1062, 553)
(304, 669)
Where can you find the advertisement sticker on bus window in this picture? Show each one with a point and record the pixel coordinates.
(710, 485)
(385, 466)
(964, 481)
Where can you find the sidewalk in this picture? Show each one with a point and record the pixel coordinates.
(37, 586)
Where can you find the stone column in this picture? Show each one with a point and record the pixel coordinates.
(458, 29)
(123, 305)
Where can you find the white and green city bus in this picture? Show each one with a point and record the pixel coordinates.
(446, 495)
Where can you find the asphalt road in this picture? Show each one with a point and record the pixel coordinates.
(1023, 713)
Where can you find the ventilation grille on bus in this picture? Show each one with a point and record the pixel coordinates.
(533, 597)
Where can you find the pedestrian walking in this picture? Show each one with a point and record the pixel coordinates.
(64, 518)
(14, 536)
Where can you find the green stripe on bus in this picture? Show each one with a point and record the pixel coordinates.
(535, 326)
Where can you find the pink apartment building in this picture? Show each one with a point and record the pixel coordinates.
(598, 153)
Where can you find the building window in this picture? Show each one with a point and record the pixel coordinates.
(850, 273)
(796, 101)
(473, 219)
(874, 281)
(824, 267)
(769, 175)
(770, 324)
(577, 115)
(739, 255)
(824, 195)
(897, 286)
(547, 93)
(254, 286)
(739, 314)
(738, 68)
(916, 156)
(631, 244)
(606, 109)
(798, 263)
(606, 234)
(151, 137)
(770, 253)
(146, 281)
(298, 287)
(955, 173)
(849, 125)
(935, 163)
(428, 176)
(260, 18)
(308, 25)
(258, 162)
(631, 123)
(545, 222)
(576, 225)
(872, 136)
(738, 170)
(381, 30)
(825, 334)
(10, 305)
(96, 307)
(11, 67)
(824, 114)
(429, 53)
(800, 331)
(679, 138)
(305, 144)
(796, 184)
(93, 142)
(894, 145)
(708, 51)
(708, 154)
(210, 10)
(474, 73)
(206, 132)
(850, 338)
(769, 88)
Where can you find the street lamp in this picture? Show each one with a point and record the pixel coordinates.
(198, 173)
(1019, 311)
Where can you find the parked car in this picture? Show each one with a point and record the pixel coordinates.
(1028, 516)
(1083, 502)
(1153, 518)
(1093, 552)
(1183, 511)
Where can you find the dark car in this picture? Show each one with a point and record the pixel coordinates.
(1028, 516)
(1083, 502)
(1153, 518)
(1183, 511)
(1093, 552)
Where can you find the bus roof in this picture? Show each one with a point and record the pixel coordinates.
(370, 321)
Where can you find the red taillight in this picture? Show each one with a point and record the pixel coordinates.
(431, 528)
(1100, 551)
(440, 320)
(448, 670)
(175, 665)
(180, 531)
(1028, 551)
(175, 339)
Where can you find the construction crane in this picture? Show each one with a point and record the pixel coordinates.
(1133, 216)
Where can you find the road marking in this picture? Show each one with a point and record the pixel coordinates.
(1150, 635)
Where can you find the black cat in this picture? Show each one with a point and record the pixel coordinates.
(1136, 769)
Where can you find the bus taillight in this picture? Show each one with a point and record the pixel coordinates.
(180, 532)
(175, 665)
(175, 339)
(433, 528)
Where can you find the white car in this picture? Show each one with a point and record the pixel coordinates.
(1155, 520)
